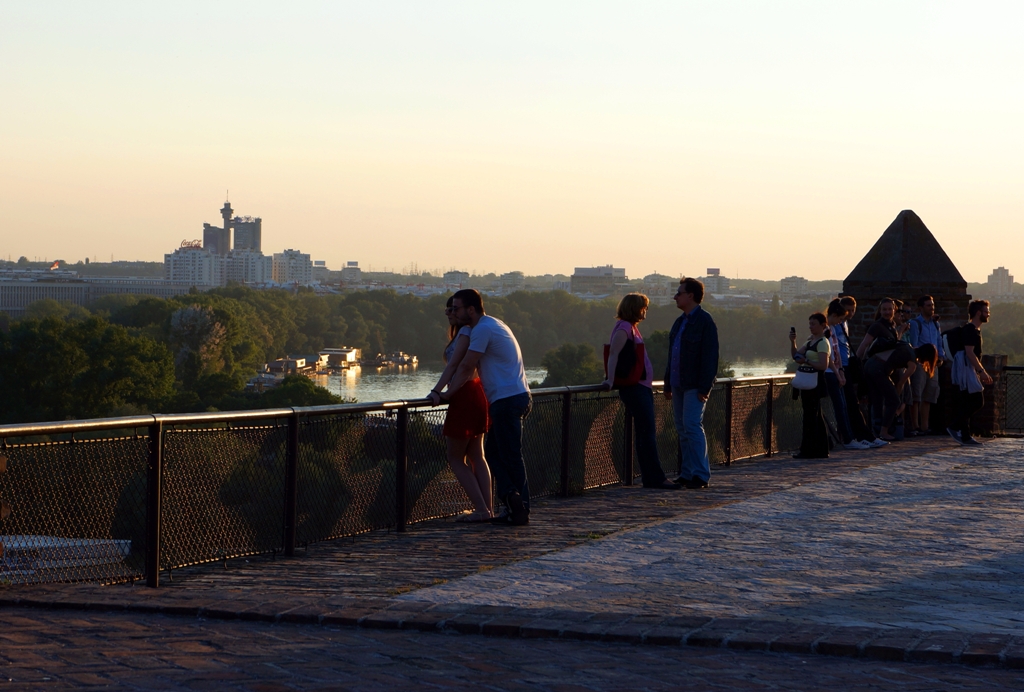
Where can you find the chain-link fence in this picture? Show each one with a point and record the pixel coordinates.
(1014, 376)
(124, 499)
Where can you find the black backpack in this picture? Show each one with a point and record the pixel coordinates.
(953, 341)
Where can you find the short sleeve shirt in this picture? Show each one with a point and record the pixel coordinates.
(501, 362)
(818, 352)
(450, 349)
(972, 337)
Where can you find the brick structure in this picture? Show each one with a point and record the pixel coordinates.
(906, 263)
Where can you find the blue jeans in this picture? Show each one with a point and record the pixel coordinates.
(688, 411)
(503, 446)
(639, 401)
(835, 393)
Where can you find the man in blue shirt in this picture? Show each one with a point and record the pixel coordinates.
(924, 329)
(689, 377)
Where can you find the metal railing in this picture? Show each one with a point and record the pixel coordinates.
(1014, 383)
(123, 499)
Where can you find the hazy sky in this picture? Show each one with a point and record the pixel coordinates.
(765, 138)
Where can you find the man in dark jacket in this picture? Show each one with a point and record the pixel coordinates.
(689, 377)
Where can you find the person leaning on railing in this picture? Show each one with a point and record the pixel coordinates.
(465, 423)
(637, 397)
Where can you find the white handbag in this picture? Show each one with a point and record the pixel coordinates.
(806, 378)
(806, 375)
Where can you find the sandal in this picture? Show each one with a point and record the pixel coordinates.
(473, 518)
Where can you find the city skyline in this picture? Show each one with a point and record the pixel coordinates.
(529, 137)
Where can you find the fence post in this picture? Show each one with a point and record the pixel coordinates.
(627, 449)
(728, 422)
(566, 430)
(769, 418)
(154, 482)
(401, 468)
(291, 484)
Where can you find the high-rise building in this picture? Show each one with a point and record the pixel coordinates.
(320, 271)
(217, 239)
(456, 278)
(1000, 282)
(195, 265)
(512, 281)
(292, 266)
(351, 273)
(249, 267)
(248, 233)
(793, 286)
(599, 280)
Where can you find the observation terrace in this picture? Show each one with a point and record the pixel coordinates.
(294, 522)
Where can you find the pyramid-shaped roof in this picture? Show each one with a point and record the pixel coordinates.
(906, 252)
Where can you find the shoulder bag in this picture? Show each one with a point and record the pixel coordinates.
(806, 377)
(631, 366)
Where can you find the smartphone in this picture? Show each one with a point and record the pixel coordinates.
(792, 330)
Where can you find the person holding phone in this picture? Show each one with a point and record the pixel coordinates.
(815, 352)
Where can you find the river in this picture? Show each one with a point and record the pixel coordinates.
(368, 384)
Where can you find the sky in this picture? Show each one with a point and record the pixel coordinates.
(764, 138)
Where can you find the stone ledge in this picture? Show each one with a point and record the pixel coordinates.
(881, 643)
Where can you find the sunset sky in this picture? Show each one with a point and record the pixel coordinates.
(765, 138)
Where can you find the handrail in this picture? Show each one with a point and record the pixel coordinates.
(141, 421)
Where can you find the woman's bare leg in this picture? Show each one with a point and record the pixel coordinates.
(464, 474)
(481, 472)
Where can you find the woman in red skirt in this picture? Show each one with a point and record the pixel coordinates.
(465, 425)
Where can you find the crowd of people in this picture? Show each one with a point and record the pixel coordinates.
(881, 391)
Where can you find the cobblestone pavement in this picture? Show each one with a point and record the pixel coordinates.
(930, 542)
(56, 650)
(898, 559)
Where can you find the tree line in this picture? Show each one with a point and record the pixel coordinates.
(194, 352)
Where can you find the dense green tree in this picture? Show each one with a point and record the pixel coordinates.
(55, 370)
(572, 364)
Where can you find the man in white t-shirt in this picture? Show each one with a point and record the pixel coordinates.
(494, 351)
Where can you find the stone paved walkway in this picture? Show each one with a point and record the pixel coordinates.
(930, 542)
(906, 557)
(59, 650)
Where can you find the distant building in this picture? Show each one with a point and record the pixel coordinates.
(18, 294)
(562, 286)
(248, 233)
(456, 278)
(351, 273)
(793, 286)
(100, 286)
(714, 282)
(1000, 282)
(194, 265)
(292, 266)
(512, 281)
(321, 273)
(598, 280)
(217, 239)
(18, 290)
(249, 267)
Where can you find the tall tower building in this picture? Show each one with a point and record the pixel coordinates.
(248, 233)
(218, 240)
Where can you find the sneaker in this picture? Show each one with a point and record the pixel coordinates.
(877, 442)
(515, 512)
(969, 441)
(857, 444)
(696, 483)
(955, 434)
